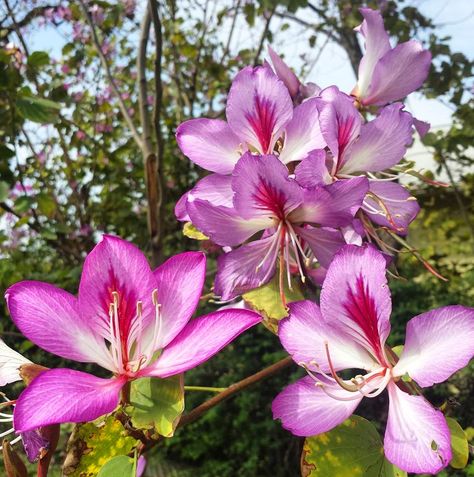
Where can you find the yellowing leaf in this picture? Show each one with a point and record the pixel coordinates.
(157, 404)
(351, 449)
(192, 232)
(459, 444)
(93, 444)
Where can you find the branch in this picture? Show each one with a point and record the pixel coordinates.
(105, 64)
(196, 413)
(30, 16)
(264, 34)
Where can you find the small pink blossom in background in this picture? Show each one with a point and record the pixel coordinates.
(65, 69)
(125, 96)
(131, 111)
(103, 128)
(41, 156)
(66, 86)
(78, 96)
(85, 230)
(81, 135)
(63, 13)
(150, 99)
(130, 6)
(97, 14)
(170, 183)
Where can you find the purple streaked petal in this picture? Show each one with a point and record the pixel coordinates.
(209, 143)
(263, 189)
(377, 44)
(48, 316)
(324, 242)
(398, 73)
(355, 298)
(248, 267)
(223, 225)
(64, 395)
(340, 120)
(306, 410)
(382, 142)
(179, 282)
(304, 335)
(10, 362)
(33, 443)
(115, 265)
(422, 127)
(201, 339)
(334, 205)
(302, 133)
(285, 73)
(391, 205)
(417, 437)
(312, 171)
(180, 211)
(438, 343)
(258, 107)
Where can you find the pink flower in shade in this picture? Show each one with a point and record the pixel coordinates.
(356, 149)
(81, 135)
(126, 318)
(349, 331)
(65, 69)
(293, 222)
(260, 119)
(388, 74)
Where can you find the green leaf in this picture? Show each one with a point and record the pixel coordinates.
(353, 448)
(93, 444)
(4, 190)
(459, 444)
(157, 404)
(38, 58)
(120, 466)
(192, 232)
(38, 110)
(46, 204)
(6, 152)
(22, 204)
(267, 301)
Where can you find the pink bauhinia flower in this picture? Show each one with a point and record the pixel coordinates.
(127, 319)
(349, 331)
(388, 74)
(295, 224)
(368, 149)
(260, 119)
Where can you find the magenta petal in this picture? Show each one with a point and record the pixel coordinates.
(417, 437)
(340, 120)
(304, 335)
(179, 282)
(48, 316)
(302, 133)
(376, 45)
(263, 189)
(393, 206)
(285, 73)
(305, 410)
(63, 395)
(33, 443)
(115, 265)
(312, 171)
(422, 127)
(355, 298)
(209, 143)
(258, 107)
(438, 343)
(400, 72)
(201, 339)
(246, 268)
(382, 142)
(324, 242)
(180, 208)
(223, 225)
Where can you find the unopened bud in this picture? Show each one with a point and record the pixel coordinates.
(29, 371)
(14, 466)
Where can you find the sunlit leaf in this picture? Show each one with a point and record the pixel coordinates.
(120, 466)
(353, 448)
(459, 444)
(4, 190)
(157, 404)
(38, 58)
(192, 232)
(38, 110)
(93, 444)
(46, 204)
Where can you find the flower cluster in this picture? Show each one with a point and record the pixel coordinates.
(297, 172)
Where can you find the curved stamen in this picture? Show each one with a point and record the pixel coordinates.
(348, 387)
(380, 388)
(337, 398)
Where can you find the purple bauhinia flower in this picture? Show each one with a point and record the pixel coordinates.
(127, 319)
(388, 74)
(349, 331)
(296, 223)
(369, 149)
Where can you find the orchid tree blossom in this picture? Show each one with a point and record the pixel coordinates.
(349, 331)
(387, 74)
(130, 320)
(11, 363)
(292, 225)
(369, 149)
(260, 119)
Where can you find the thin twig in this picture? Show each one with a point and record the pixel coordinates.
(264, 35)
